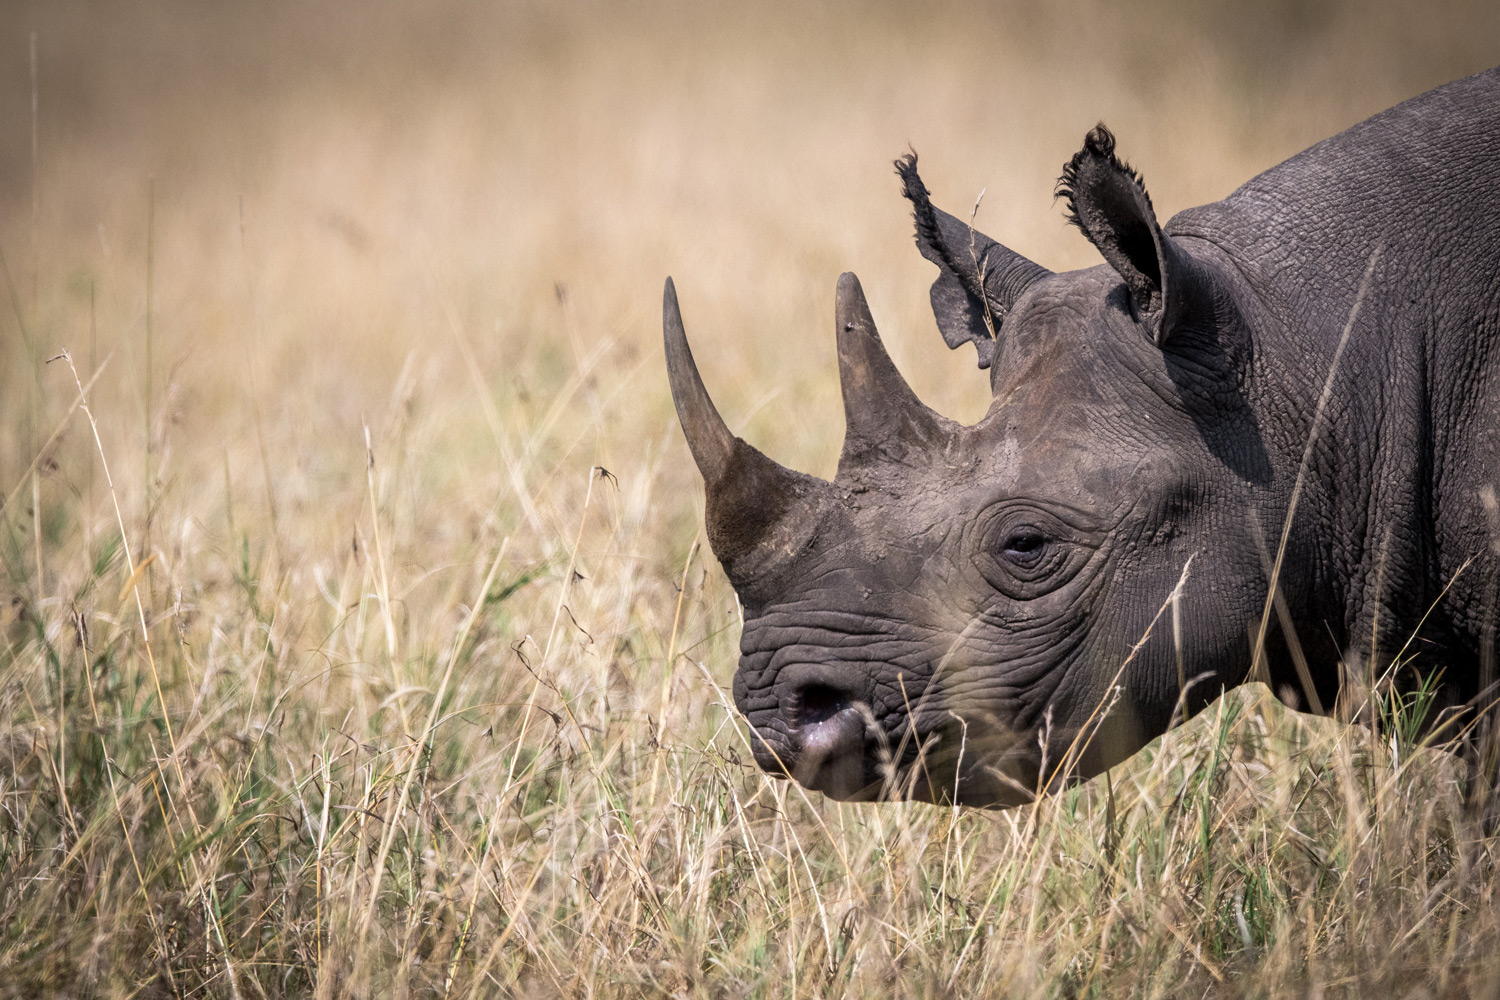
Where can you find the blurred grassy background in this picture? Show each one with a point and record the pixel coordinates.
(343, 167)
(376, 287)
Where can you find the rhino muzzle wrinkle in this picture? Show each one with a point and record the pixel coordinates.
(972, 614)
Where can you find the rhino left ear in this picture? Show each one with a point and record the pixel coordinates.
(978, 279)
(1108, 202)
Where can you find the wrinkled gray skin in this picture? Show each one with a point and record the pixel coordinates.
(966, 613)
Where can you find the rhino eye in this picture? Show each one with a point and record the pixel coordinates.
(1026, 551)
(1024, 547)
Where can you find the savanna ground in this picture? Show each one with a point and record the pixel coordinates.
(370, 647)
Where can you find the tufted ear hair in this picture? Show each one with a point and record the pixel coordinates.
(978, 280)
(1109, 203)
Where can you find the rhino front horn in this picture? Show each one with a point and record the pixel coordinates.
(756, 510)
(882, 416)
(708, 436)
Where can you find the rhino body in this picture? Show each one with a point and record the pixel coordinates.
(1299, 383)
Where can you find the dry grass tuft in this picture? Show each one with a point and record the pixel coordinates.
(400, 672)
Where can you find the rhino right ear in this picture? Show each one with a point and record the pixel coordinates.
(979, 279)
(1108, 202)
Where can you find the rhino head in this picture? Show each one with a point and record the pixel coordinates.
(975, 614)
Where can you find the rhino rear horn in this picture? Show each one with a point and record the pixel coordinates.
(757, 511)
(883, 417)
(979, 280)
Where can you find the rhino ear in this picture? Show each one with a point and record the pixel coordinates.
(979, 279)
(1109, 203)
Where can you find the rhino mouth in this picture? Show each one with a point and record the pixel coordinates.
(830, 740)
(826, 735)
(820, 731)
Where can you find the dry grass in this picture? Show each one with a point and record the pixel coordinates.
(390, 687)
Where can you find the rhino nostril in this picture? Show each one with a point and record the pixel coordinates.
(821, 703)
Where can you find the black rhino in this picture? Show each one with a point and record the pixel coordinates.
(1298, 384)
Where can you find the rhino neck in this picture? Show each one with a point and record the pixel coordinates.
(1403, 424)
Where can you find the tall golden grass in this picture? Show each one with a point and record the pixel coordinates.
(358, 636)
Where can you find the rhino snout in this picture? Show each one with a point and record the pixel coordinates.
(824, 743)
